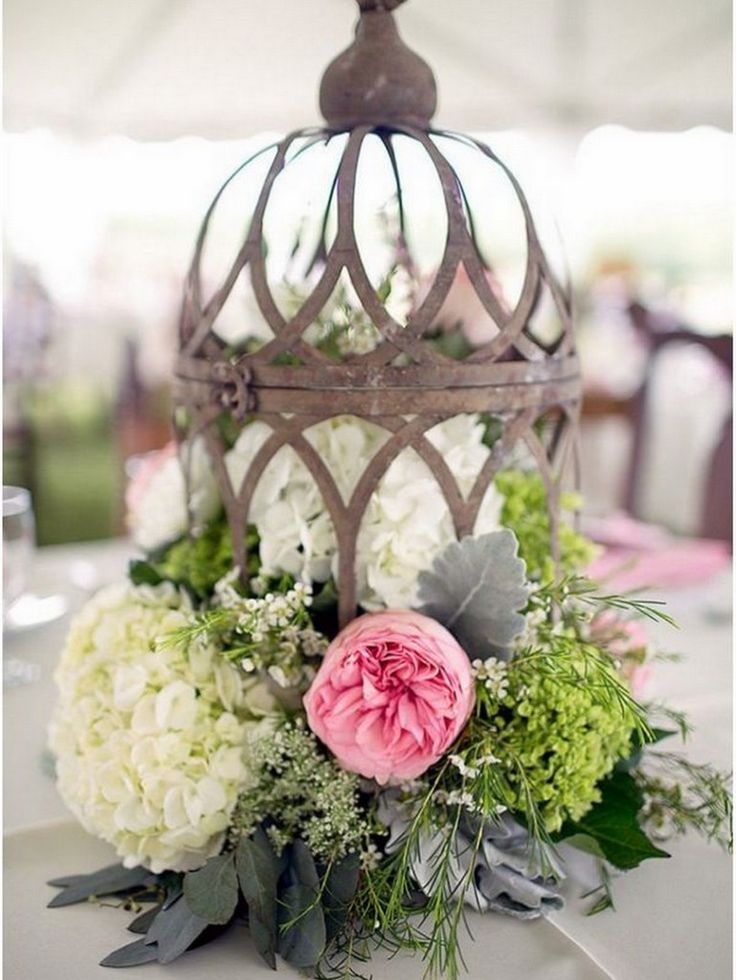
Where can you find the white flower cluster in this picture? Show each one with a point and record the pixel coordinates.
(157, 503)
(370, 857)
(462, 767)
(457, 797)
(494, 674)
(260, 615)
(407, 522)
(529, 636)
(472, 772)
(272, 629)
(152, 741)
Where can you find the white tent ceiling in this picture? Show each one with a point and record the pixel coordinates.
(158, 69)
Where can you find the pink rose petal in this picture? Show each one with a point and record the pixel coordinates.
(394, 691)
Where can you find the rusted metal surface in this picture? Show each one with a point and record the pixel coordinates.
(405, 384)
(353, 92)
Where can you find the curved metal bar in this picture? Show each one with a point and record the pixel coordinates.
(511, 328)
(208, 314)
(510, 436)
(535, 255)
(395, 337)
(193, 278)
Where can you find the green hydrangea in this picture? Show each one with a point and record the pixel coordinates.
(197, 563)
(558, 740)
(524, 511)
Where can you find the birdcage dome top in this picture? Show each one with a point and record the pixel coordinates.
(378, 98)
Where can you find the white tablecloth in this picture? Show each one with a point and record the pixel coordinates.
(673, 917)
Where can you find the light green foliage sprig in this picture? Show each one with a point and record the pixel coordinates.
(525, 513)
(301, 794)
(387, 894)
(556, 643)
(681, 795)
(574, 592)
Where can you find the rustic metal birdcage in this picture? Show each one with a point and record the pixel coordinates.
(379, 90)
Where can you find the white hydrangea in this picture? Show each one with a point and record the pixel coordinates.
(152, 744)
(157, 510)
(407, 522)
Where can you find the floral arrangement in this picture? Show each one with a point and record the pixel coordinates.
(474, 738)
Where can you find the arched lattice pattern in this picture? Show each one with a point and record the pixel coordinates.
(405, 384)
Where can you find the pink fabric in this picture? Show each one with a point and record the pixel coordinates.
(643, 556)
(680, 564)
(394, 691)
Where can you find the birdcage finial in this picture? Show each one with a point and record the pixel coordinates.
(378, 80)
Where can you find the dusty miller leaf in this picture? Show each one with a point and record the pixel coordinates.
(475, 589)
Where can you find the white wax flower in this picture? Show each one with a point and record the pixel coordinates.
(152, 744)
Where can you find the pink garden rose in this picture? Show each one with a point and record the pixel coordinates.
(394, 691)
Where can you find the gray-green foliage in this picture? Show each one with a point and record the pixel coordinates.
(476, 588)
(258, 872)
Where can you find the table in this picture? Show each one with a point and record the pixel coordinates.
(673, 917)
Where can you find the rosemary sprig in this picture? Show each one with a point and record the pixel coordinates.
(681, 795)
(586, 591)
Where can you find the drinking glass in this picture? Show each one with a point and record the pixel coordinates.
(22, 609)
(19, 541)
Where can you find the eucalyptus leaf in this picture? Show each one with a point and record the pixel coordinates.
(134, 954)
(70, 880)
(258, 871)
(613, 824)
(302, 926)
(339, 891)
(475, 589)
(173, 885)
(174, 930)
(143, 922)
(212, 891)
(107, 881)
(303, 934)
(301, 867)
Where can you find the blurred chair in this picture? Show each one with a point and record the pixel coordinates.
(661, 332)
